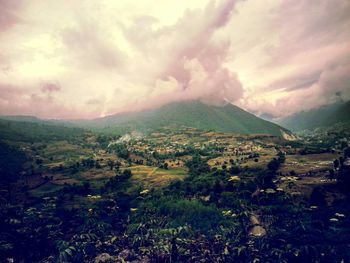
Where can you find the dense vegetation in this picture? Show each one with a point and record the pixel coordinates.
(11, 165)
(230, 212)
(171, 224)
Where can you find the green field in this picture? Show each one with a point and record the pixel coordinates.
(153, 176)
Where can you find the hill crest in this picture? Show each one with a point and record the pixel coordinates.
(196, 114)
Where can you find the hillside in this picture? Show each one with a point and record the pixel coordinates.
(31, 129)
(21, 118)
(316, 118)
(228, 118)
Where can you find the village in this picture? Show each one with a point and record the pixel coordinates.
(161, 157)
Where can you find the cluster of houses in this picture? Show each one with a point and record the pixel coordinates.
(175, 144)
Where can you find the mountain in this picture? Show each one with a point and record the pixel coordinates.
(23, 118)
(196, 114)
(227, 118)
(31, 129)
(316, 118)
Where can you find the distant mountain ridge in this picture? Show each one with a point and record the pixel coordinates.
(196, 114)
(24, 118)
(316, 118)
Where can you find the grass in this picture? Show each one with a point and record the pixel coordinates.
(177, 171)
(63, 148)
(96, 174)
(98, 183)
(262, 162)
(155, 177)
(46, 189)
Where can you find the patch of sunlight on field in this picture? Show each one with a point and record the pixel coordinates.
(155, 177)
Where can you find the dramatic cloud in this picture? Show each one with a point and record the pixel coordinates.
(92, 58)
(304, 44)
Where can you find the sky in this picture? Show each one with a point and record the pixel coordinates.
(92, 58)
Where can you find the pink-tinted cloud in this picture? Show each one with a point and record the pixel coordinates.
(325, 87)
(51, 87)
(8, 16)
(93, 58)
(311, 41)
(88, 46)
(9, 92)
(198, 66)
(193, 61)
(41, 103)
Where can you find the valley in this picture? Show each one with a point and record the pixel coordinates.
(175, 131)
(173, 193)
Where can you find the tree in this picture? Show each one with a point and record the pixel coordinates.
(197, 166)
(344, 145)
(166, 166)
(97, 165)
(11, 163)
(39, 161)
(217, 187)
(234, 170)
(318, 196)
(347, 152)
(336, 164)
(110, 163)
(121, 150)
(273, 165)
(86, 187)
(127, 174)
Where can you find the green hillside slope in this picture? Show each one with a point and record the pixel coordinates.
(228, 118)
(27, 130)
(320, 117)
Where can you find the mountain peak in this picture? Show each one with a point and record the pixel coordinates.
(225, 117)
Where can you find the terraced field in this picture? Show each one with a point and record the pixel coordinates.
(261, 163)
(154, 177)
(302, 164)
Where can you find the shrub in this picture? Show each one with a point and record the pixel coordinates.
(183, 211)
